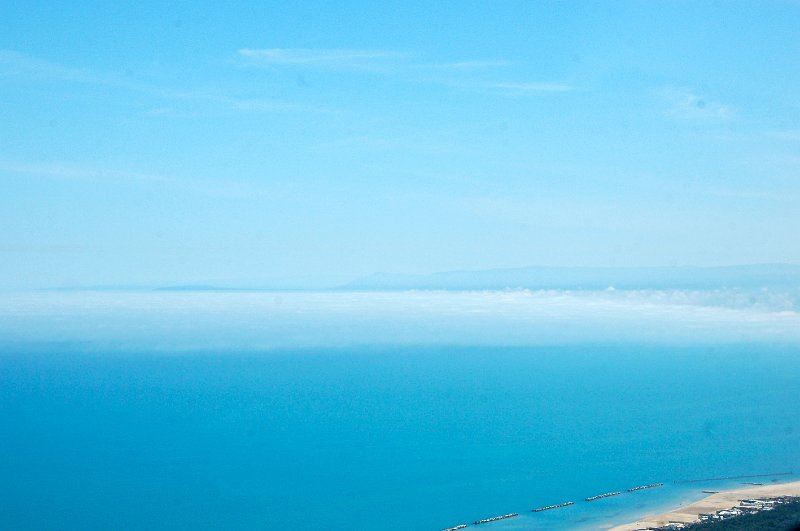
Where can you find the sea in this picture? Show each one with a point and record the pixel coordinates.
(387, 411)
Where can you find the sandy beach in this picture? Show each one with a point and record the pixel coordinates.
(712, 503)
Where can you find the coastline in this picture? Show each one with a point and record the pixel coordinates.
(715, 502)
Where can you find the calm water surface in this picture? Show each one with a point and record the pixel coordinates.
(382, 438)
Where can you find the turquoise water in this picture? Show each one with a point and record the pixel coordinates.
(375, 438)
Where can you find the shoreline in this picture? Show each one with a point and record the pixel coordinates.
(710, 504)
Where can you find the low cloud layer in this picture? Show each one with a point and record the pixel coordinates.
(180, 321)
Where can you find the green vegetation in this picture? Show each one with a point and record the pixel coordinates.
(784, 517)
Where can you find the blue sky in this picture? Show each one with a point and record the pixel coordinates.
(305, 144)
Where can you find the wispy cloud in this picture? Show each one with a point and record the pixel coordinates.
(412, 67)
(236, 102)
(319, 58)
(528, 88)
(685, 104)
(13, 63)
(28, 248)
(466, 65)
(506, 88)
(359, 59)
(420, 143)
(74, 172)
(222, 188)
(790, 135)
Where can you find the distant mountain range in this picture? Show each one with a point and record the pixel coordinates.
(743, 276)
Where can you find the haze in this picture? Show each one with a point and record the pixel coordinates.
(288, 145)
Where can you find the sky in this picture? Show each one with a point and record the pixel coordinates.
(305, 144)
